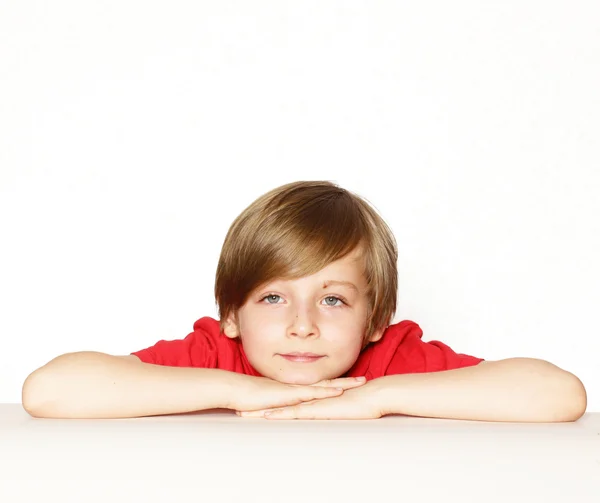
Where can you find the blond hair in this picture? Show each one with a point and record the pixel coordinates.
(296, 230)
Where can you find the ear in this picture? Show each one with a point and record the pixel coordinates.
(378, 334)
(231, 328)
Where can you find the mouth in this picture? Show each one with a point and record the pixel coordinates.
(301, 357)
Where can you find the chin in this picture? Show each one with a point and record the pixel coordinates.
(299, 379)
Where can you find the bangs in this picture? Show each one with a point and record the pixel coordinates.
(301, 243)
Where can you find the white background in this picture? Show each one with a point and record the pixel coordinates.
(133, 133)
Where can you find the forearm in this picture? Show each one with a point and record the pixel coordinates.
(98, 385)
(515, 390)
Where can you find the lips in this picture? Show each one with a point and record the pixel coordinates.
(301, 357)
(296, 353)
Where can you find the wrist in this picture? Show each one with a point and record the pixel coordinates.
(220, 387)
(379, 393)
(232, 386)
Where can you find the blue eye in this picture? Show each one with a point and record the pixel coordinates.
(273, 296)
(269, 296)
(336, 298)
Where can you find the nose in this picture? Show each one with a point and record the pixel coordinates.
(303, 325)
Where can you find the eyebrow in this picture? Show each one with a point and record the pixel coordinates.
(330, 282)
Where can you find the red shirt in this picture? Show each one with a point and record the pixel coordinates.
(399, 351)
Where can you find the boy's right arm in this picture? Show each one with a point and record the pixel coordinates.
(90, 384)
(98, 385)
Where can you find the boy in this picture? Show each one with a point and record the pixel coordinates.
(306, 289)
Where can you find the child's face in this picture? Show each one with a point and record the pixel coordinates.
(300, 315)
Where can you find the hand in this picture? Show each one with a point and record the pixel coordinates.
(254, 393)
(358, 403)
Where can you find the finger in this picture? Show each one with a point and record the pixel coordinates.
(307, 393)
(261, 412)
(301, 411)
(253, 413)
(342, 382)
(319, 409)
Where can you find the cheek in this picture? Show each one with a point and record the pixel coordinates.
(260, 338)
(343, 333)
(346, 346)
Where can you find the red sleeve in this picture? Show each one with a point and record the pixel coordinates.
(198, 349)
(413, 355)
(436, 356)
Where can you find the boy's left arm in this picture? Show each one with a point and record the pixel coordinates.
(511, 390)
(514, 390)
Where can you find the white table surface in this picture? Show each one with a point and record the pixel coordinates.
(218, 456)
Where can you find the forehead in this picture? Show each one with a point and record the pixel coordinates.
(345, 272)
